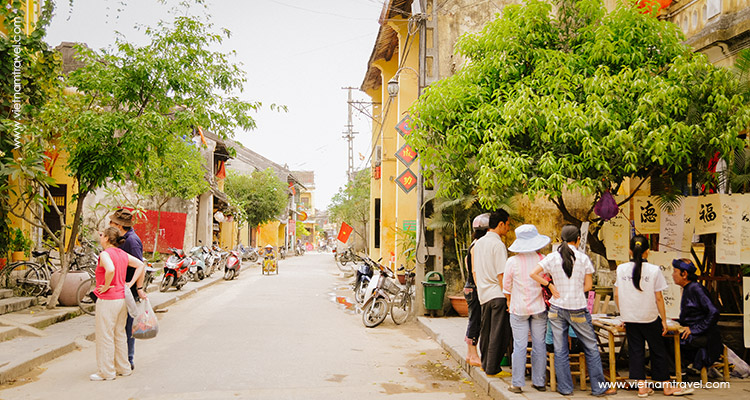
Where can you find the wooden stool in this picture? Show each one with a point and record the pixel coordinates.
(577, 360)
(723, 363)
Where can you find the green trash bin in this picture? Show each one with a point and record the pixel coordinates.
(434, 290)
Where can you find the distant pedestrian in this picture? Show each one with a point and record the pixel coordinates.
(572, 275)
(122, 219)
(641, 284)
(527, 309)
(490, 257)
(111, 341)
(480, 225)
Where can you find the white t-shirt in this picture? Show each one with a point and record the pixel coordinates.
(490, 256)
(636, 305)
(571, 289)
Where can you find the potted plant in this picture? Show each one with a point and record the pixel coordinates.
(20, 245)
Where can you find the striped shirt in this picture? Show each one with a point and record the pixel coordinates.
(525, 293)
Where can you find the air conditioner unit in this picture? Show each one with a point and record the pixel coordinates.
(377, 157)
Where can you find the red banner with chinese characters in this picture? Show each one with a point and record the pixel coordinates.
(344, 232)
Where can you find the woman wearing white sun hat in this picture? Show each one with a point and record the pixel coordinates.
(526, 307)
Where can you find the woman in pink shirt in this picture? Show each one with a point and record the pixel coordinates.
(111, 313)
(526, 307)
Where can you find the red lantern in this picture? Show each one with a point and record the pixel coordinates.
(376, 172)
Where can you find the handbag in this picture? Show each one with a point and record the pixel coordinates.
(145, 324)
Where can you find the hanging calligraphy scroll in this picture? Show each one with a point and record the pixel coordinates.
(673, 293)
(689, 207)
(728, 239)
(708, 217)
(745, 231)
(671, 231)
(646, 214)
(616, 234)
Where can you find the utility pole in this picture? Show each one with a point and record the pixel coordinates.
(349, 135)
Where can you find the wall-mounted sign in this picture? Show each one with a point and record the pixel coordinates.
(406, 155)
(410, 225)
(407, 180)
(404, 126)
(302, 216)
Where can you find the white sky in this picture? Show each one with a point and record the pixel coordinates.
(298, 53)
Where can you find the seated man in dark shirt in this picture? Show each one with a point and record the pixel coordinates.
(700, 341)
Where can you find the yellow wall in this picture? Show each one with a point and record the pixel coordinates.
(396, 205)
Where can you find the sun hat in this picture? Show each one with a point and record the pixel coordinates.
(528, 239)
(122, 217)
(481, 221)
(685, 265)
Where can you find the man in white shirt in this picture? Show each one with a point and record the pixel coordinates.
(489, 255)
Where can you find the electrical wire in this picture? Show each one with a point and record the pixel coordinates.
(318, 12)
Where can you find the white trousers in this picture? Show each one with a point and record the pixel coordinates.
(111, 341)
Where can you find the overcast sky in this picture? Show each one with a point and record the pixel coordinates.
(298, 53)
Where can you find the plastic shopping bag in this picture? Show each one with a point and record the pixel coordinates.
(145, 324)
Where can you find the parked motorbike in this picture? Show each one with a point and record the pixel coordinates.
(248, 253)
(233, 265)
(299, 250)
(385, 293)
(362, 281)
(176, 270)
(198, 268)
(149, 277)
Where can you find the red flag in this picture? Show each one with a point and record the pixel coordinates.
(344, 232)
(291, 188)
(222, 172)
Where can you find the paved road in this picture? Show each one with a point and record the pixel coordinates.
(265, 337)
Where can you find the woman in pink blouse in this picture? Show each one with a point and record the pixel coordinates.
(111, 313)
(526, 307)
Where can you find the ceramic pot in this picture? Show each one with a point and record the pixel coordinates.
(17, 256)
(459, 304)
(68, 296)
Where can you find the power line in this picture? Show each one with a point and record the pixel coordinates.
(317, 12)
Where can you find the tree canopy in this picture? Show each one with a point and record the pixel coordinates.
(351, 204)
(576, 99)
(260, 197)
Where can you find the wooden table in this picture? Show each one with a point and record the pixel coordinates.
(617, 331)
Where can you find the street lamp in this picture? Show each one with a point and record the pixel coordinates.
(392, 86)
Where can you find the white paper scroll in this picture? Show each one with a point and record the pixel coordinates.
(746, 317)
(646, 214)
(616, 234)
(673, 293)
(708, 214)
(689, 214)
(745, 230)
(728, 239)
(671, 230)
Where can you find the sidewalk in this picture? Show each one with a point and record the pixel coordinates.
(48, 334)
(449, 333)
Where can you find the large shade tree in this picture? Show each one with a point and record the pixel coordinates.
(258, 198)
(129, 102)
(572, 97)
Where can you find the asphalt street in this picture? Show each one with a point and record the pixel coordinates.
(282, 336)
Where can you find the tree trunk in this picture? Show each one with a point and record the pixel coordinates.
(158, 224)
(66, 255)
(597, 245)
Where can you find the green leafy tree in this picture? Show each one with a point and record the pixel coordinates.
(300, 230)
(576, 99)
(129, 103)
(29, 72)
(351, 204)
(259, 197)
(179, 174)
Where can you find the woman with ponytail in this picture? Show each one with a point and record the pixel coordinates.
(645, 318)
(571, 271)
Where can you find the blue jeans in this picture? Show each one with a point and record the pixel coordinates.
(131, 339)
(580, 320)
(521, 325)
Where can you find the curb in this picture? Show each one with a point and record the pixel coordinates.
(41, 353)
(493, 387)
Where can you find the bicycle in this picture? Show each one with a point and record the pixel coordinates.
(402, 304)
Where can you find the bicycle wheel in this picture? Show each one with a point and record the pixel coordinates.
(25, 279)
(86, 297)
(401, 308)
